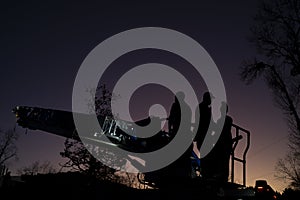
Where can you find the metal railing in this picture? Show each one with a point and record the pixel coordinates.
(238, 136)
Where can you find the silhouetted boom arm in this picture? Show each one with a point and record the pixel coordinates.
(58, 122)
(61, 123)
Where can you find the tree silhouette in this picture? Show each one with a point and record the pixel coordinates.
(276, 35)
(37, 168)
(79, 156)
(80, 159)
(8, 148)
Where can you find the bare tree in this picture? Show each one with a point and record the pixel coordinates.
(8, 148)
(37, 168)
(276, 35)
(289, 168)
(80, 159)
(79, 156)
(103, 100)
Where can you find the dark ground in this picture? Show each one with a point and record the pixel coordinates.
(76, 186)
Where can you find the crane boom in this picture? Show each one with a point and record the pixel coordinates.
(60, 122)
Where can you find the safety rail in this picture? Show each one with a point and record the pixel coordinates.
(238, 131)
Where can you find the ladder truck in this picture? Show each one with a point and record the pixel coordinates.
(61, 123)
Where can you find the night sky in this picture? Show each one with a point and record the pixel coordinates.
(44, 44)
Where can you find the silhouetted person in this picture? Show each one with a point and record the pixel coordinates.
(180, 119)
(216, 163)
(225, 145)
(174, 117)
(203, 116)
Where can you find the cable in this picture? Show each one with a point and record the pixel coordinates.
(267, 146)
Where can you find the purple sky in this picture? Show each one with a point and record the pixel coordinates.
(43, 46)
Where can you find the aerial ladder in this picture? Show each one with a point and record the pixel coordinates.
(61, 123)
(119, 132)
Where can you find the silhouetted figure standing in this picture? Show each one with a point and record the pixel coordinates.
(203, 116)
(174, 117)
(180, 119)
(216, 163)
(225, 145)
